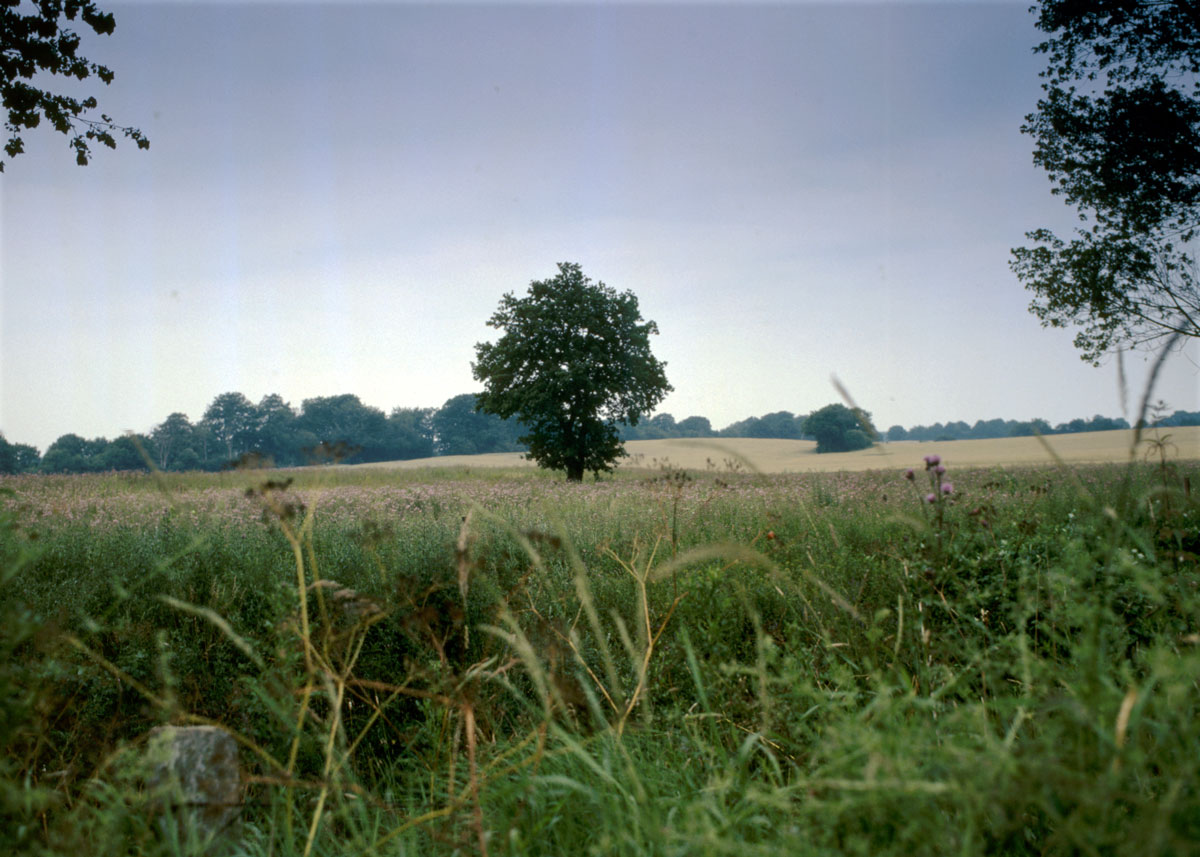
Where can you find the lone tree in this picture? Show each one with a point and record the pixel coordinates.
(573, 363)
(37, 42)
(1118, 131)
(840, 429)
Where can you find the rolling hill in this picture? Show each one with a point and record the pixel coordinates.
(799, 456)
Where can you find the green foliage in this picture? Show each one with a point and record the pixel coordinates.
(276, 431)
(695, 427)
(1118, 132)
(231, 420)
(573, 363)
(781, 424)
(173, 438)
(460, 429)
(1029, 428)
(18, 457)
(837, 428)
(662, 426)
(345, 420)
(37, 42)
(73, 454)
(20, 798)
(411, 432)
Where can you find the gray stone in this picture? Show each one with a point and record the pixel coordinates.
(195, 781)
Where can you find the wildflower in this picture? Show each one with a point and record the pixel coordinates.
(930, 498)
(947, 488)
(909, 475)
(939, 470)
(932, 461)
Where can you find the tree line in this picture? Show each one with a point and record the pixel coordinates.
(235, 430)
(997, 428)
(272, 432)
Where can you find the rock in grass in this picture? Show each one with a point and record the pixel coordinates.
(195, 781)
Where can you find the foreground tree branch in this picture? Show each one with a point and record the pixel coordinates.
(1118, 133)
(38, 41)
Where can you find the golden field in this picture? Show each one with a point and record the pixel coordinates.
(800, 456)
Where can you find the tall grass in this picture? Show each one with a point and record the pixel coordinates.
(695, 663)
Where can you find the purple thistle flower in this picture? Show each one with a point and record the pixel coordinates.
(930, 498)
(939, 470)
(947, 488)
(932, 461)
(909, 475)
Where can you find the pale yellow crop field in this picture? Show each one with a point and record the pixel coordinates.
(800, 456)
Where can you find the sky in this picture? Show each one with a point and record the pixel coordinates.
(337, 195)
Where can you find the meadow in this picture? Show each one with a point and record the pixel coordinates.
(956, 659)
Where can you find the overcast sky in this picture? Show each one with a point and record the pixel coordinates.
(336, 197)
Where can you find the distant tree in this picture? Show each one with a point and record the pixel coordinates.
(231, 419)
(127, 452)
(275, 431)
(742, 428)
(665, 423)
(573, 364)
(188, 459)
(780, 424)
(35, 42)
(28, 459)
(957, 430)
(925, 433)
(410, 433)
(837, 428)
(204, 445)
(1179, 418)
(950, 431)
(1099, 423)
(460, 429)
(8, 456)
(642, 431)
(345, 420)
(696, 427)
(1031, 427)
(1073, 427)
(171, 437)
(1118, 132)
(658, 427)
(69, 454)
(897, 432)
(989, 428)
(18, 457)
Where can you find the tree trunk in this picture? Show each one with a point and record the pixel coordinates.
(575, 471)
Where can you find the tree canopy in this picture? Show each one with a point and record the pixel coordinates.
(837, 428)
(574, 362)
(1118, 132)
(461, 429)
(38, 42)
(231, 419)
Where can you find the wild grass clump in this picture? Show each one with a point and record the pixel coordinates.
(989, 661)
